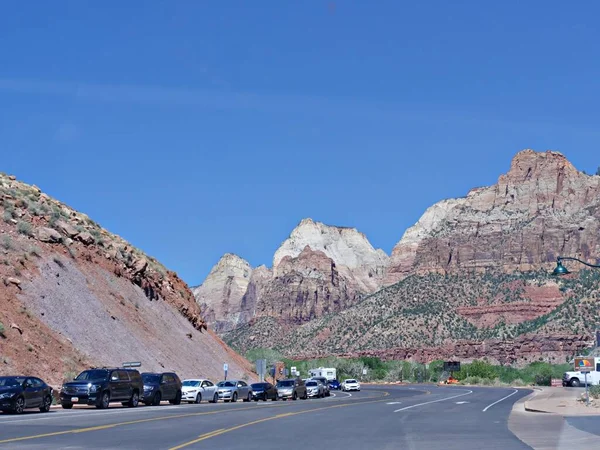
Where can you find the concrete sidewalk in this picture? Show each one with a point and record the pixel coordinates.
(560, 400)
(543, 431)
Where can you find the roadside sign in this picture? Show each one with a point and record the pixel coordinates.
(364, 371)
(261, 368)
(451, 366)
(556, 382)
(584, 364)
(225, 369)
(293, 370)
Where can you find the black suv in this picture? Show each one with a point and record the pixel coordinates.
(102, 386)
(161, 386)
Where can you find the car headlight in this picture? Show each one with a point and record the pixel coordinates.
(94, 387)
(6, 395)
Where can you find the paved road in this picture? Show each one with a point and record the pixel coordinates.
(589, 424)
(378, 417)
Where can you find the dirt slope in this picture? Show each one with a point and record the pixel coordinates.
(74, 295)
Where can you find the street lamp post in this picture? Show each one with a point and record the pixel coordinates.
(560, 269)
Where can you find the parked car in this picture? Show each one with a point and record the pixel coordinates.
(231, 390)
(350, 385)
(315, 389)
(323, 381)
(334, 385)
(161, 386)
(293, 388)
(102, 386)
(20, 392)
(263, 391)
(198, 389)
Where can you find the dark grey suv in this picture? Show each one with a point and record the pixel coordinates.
(102, 386)
(161, 386)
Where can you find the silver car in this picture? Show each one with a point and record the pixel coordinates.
(231, 390)
(315, 389)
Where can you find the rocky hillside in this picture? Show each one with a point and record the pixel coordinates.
(319, 269)
(543, 207)
(75, 295)
(471, 278)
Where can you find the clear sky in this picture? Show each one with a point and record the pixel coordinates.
(195, 128)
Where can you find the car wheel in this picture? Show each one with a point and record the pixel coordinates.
(574, 382)
(294, 396)
(198, 398)
(157, 398)
(265, 398)
(234, 397)
(215, 398)
(46, 404)
(67, 405)
(177, 400)
(249, 398)
(134, 401)
(19, 405)
(104, 401)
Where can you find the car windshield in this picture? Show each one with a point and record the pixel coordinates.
(350, 381)
(257, 386)
(11, 381)
(312, 383)
(226, 384)
(285, 383)
(191, 383)
(150, 378)
(94, 374)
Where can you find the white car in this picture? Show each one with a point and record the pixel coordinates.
(197, 389)
(350, 385)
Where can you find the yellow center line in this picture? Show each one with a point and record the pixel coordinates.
(177, 416)
(266, 419)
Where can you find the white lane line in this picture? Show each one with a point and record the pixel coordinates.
(503, 398)
(89, 413)
(460, 403)
(393, 403)
(434, 401)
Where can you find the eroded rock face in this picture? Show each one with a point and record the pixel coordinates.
(220, 296)
(319, 269)
(350, 249)
(541, 208)
(305, 287)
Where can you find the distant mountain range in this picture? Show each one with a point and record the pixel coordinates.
(470, 278)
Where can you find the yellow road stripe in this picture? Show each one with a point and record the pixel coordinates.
(266, 419)
(154, 419)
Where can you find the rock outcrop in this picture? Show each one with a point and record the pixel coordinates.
(220, 296)
(543, 207)
(348, 248)
(318, 270)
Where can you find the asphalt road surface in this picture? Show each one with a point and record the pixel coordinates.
(378, 417)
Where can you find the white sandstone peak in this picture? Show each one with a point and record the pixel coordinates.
(346, 246)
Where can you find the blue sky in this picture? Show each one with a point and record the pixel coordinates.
(198, 128)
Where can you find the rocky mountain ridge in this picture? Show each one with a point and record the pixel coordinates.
(328, 283)
(318, 269)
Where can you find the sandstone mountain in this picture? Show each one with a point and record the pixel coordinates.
(319, 269)
(75, 295)
(471, 277)
(220, 296)
(543, 207)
